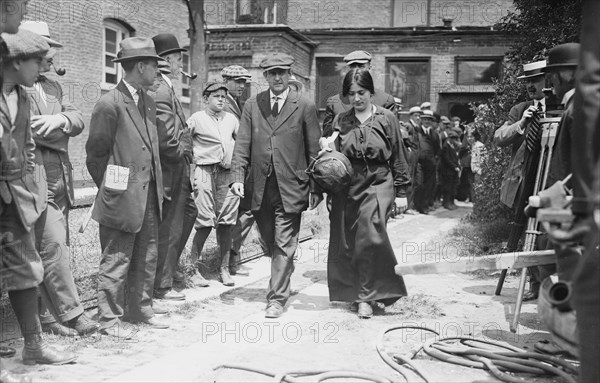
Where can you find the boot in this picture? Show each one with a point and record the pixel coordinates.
(36, 350)
(224, 239)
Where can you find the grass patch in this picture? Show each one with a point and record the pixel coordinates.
(415, 307)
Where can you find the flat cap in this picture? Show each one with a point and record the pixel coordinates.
(277, 60)
(427, 114)
(426, 105)
(236, 72)
(357, 57)
(213, 86)
(415, 109)
(451, 133)
(24, 44)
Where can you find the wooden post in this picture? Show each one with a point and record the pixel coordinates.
(198, 53)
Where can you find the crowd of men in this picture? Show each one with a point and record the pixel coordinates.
(146, 211)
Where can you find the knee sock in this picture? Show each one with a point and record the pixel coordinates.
(199, 241)
(25, 306)
(224, 237)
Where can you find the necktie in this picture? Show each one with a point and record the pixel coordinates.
(534, 134)
(275, 110)
(140, 104)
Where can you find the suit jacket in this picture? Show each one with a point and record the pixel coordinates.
(338, 104)
(284, 145)
(507, 135)
(429, 144)
(57, 140)
(175, 145)
(119, 136)
(232, 107)
(18, 182)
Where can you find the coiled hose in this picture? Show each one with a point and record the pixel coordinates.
(319, 375)
(499, 359)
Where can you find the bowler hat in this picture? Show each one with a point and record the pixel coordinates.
(166, 43)
(533, 69)
(213, 86)
(24, 44)
(277, 60)
(357, 57)
(563, 56)
(40, 28)
(415, 109)
(136, 48)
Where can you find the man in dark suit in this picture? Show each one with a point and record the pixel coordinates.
(279, 135)
(413, 149)
(54, 121)
(429, 149)
(513, 133)
(22, 196)
(179, 209)
(124, 162)
(338, 103)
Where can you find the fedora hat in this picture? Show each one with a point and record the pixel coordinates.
(166, 43)
(40, 28)
(136, 48)
(533, 69)
(563, 56)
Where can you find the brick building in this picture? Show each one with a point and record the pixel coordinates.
(446, 52)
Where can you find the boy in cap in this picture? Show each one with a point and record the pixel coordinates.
(124, 162)
(236, 78)
(179, 210)
(213, 135)
(279, 135)
(22, 196)
(54, 122)
(338, 103)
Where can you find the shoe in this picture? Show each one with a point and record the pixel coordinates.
(169, 295)
(118, 332)
(83, 325)
(354, 307)
(37, 351)
(7, 352)
(225, 277)
(159, 309)
(424, 212)
(274, 310)
(55, 328)
(155, 324)
(199, 280)
(8, 377)
(411, 212)
(530, 296)
(178, 277)
(235, 270)
(365, 310)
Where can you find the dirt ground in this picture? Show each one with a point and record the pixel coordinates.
(218, 326)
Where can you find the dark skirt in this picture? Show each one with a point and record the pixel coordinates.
(360, 264)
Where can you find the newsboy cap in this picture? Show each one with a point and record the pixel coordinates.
(563, 56)
(236, 72)
(213, 86)
(277, 60)
(136, 48)
(40, 28)
(415, 109)
(166, 43)
(357, 57)
(24, 44)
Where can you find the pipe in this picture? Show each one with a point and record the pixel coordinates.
(59, 71)
(190, 76)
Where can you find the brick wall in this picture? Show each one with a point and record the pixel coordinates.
(79, 26)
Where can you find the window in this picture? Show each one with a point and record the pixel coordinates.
(408, 79)
(330, 74)
(185, 82)
(478, 70)
(114, 33)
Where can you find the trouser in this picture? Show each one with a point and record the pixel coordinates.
(413, 165)
(586, 300)
(448, 190)
(463, 191)
(424, 193)
(242, 228)
(280, 232)
(179, 215)
(59, 296)
(128, 268)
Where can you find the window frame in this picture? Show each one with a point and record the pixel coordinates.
(185, 82)
(122, 32)
(459, 59)
(424, 60)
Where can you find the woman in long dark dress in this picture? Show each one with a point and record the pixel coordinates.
(361, 260)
